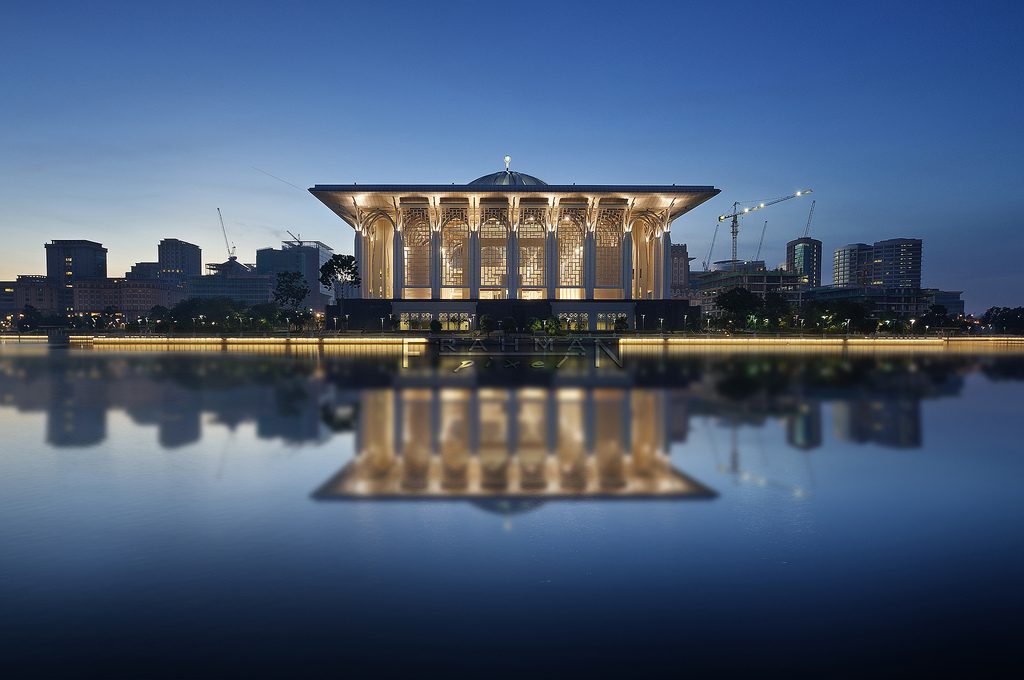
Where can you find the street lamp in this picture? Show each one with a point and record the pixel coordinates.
(912, 322)
(684, 322)
(643, 321)
(382, 324)
(661, 325)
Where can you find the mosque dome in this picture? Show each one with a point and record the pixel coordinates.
(508, 178)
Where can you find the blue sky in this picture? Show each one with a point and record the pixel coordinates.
(127, 123)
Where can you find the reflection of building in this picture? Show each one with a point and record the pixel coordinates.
(895, 423)
(525, 442)
(443, 249)
(803, 428)
(304, 257)
(166, 392)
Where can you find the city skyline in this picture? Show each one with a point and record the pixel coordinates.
(152, 130)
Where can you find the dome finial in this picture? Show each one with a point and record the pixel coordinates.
(508, 160)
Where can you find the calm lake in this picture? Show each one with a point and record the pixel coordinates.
(231, 513)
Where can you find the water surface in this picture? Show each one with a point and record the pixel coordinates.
(211, 513)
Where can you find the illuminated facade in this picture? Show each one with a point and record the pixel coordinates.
(442, 249)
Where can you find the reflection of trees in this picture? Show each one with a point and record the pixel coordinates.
(1003, 368)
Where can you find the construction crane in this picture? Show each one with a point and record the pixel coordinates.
(229, 246)
(810, 216)
(298, 240)
(760, 243)
(737, 213)
(707, 260)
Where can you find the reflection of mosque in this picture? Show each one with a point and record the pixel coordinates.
(508, 417)
(512, 443)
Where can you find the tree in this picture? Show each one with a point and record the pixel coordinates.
(738, 304)
(776, 307)
(291, 290)
(29, 319)
(1004, 319)
(486, 323)
(340, 268)
(435, 326)
(621, 325)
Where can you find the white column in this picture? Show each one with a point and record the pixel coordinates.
(398, 266)
(512, 265)
(627, 265)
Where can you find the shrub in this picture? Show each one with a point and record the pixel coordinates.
(435, 326)
(621, 324)
(486, 323)
(508, 324)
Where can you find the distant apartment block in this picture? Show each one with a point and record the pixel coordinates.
(852, 265)
(179, 260)
(71, 261)
(803, 256)
(896, 263)
(679, 262)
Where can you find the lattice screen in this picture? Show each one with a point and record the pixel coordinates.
(570, 253)
(608, 240)
(493, 251)
(417, 247)
(454, 252)
(532, 239)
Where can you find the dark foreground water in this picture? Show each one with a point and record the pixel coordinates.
(244, 515)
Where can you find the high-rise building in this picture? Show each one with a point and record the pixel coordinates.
(803, 256)
(179, 260)
(896, 263)
(68, 262)
(7, 297)
(852, 265)
(305, 257)
(680, 270)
